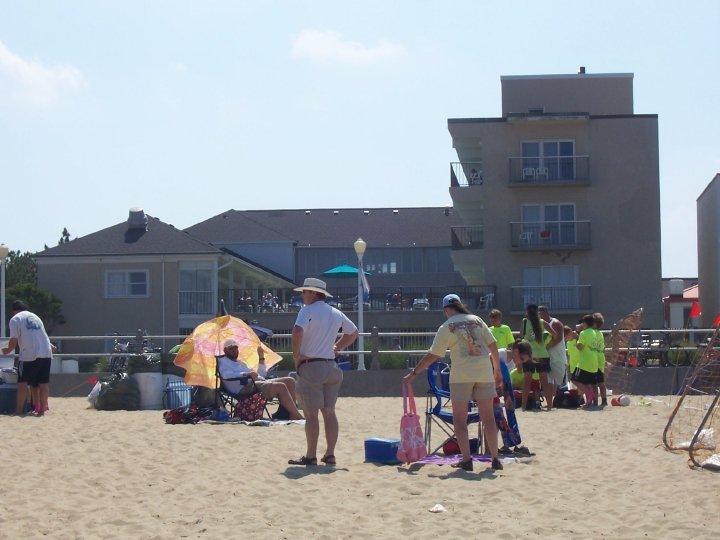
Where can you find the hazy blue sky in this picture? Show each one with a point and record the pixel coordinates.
(190, 108)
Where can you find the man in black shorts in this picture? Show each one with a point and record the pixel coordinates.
(28, 333)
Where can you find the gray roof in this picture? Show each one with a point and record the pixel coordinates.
(379, 227)
(159, 239)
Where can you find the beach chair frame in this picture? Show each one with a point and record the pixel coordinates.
(228, 400)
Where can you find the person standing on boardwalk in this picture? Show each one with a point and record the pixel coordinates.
(28, 332)
(314, 348)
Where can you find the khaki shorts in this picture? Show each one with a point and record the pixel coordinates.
(266, 387)
(472, 391)
(318, 384)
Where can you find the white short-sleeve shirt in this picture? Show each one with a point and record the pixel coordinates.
(321, 324)
(29, 331)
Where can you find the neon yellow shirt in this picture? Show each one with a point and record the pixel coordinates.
(517, 378)
(538, 349)
(503, 335)
(600, 350)
(468, 338)
(573, 354)
(588, 358)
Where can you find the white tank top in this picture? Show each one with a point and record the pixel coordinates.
(558, 350)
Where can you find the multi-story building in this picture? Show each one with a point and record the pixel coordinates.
(708, 239)
(567, 158)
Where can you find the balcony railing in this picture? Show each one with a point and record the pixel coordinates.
(481, 297)
(541, 235)
(569, 298)
(549, 170)
(466, 173)
(466, 237)
(196, 303)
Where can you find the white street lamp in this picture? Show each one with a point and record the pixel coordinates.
(360, 246)
(3, 255)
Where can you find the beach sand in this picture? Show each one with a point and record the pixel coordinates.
(80, 473)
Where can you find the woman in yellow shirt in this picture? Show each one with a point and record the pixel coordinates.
(474, 374)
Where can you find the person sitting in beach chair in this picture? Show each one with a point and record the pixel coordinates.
(239, 380)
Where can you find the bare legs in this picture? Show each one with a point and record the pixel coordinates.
(22, 391)
(487, 415)
(547, 389)
(312, 430)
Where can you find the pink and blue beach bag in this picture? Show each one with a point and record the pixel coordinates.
(412, 443)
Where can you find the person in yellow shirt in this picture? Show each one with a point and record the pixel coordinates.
(573, 353)
(503, 336)
(585, 377)
(600, 352)
(474, 374)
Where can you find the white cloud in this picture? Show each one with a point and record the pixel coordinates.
(327, 46)
(178, 67)
(30, 82)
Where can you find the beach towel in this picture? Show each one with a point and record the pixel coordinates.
(412, 443)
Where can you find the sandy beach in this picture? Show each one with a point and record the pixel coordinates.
(80, 473)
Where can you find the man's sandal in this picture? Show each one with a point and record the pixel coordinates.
(303, 461)
(329, 460)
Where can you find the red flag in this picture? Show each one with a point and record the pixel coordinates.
(695, 310)
(716, 322)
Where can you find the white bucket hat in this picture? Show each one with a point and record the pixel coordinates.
(314, 284)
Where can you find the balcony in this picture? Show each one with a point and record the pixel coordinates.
(559, 298)
(549, 235)
(552, 171)
(196, 303)
(466, 173)
(466, 237)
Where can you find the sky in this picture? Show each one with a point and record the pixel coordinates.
(190, 108)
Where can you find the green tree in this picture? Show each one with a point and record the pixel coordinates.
(43, 303)
(64, 237)
(20, 268)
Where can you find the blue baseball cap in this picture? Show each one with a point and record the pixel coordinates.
(450, 298)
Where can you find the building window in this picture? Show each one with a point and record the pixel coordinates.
(126, 284)
(553, 286)
(548, 224)
(551, 160)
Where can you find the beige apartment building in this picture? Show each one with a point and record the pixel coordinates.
(560, 198)
(708, 239)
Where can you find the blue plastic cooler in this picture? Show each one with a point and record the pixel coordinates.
(384, 451)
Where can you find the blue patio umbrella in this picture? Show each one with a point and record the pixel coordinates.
(343, 271)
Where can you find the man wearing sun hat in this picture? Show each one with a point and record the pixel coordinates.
(315, 345)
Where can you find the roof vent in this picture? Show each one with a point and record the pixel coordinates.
(447, 211)
(335, 212)
(307, 212)
(366, 212)
(396, 211)
(581, 71)
(137, 220)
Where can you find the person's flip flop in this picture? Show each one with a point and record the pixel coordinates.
(303, 461)
(328, 460)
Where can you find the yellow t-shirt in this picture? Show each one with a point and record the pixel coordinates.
(517, 378)
(588, 358)
(600, 350)
(468, 338)
(503, 335)
(573, 354)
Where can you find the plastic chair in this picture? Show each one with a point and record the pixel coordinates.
(438, 409)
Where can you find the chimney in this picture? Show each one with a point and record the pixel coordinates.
(447, 211)
(581, 71)
(137, 220)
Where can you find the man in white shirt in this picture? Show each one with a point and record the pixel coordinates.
(28, 332)
(319, 377)
(283, 388)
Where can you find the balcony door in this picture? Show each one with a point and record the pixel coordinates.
(549, 160)
(196, 287)
(548, 224)
(553, 286)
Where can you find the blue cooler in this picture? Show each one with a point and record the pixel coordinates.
(177, 394)
(8, 396)
(382, 451)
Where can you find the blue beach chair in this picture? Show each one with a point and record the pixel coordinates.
(438, 409)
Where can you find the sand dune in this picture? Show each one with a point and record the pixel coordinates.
(81, 473)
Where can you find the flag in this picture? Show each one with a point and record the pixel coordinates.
(363, 279)
(716, 322)
(695, 310)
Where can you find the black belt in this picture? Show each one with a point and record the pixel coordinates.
(309, 360)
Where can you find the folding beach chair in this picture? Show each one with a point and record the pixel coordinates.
(438, 409)
(232, 402)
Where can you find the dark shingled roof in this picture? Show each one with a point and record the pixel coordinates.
(379, 227)
(159, 239)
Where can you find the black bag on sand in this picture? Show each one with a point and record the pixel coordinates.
(567, 399)
(121, 393)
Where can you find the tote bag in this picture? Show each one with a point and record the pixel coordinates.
(412, 444)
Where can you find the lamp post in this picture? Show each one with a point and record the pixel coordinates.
(360, 246)
(3, 255)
